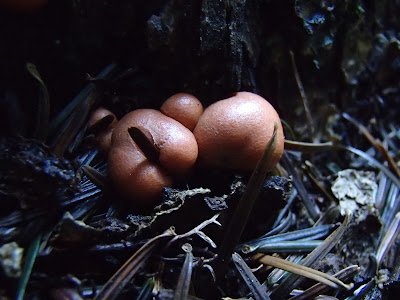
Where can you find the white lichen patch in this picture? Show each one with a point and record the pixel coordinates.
(10, 259)
(355, 188)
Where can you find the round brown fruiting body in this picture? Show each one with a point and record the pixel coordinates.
(103, 138)
(139, 179)
(233, 133)
(184, 108)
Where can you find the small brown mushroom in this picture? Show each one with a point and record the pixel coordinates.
(185, 108)
(139, 179)
(101, 124)
(234, 132)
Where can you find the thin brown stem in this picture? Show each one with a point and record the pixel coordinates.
(377, 144)
(308, 147)
(302, 94)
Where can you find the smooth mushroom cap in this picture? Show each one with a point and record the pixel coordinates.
(185, 108)
(103, 138)
(234, 132)
(136, 176)
(177, 144)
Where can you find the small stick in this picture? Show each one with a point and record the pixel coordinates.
(301, 270)
(145, 141)
(302, 94)
(42, 119)
(377, 144)
(308, 147)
